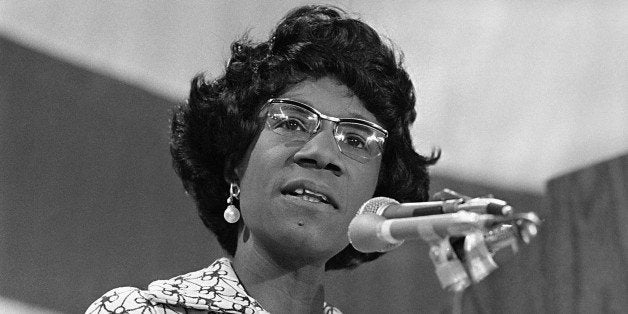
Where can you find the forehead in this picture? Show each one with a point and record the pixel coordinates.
(330, 97)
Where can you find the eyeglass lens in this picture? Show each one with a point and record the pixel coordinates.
(358, 141)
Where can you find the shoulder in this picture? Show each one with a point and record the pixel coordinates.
(130, 300)
(330, 309)
(119, 300)
(189, 293)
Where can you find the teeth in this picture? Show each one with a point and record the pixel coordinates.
(321, 196)
(312, 197)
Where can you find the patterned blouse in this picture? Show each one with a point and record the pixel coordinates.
(215, 289)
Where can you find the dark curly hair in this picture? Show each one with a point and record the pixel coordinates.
(212, 131)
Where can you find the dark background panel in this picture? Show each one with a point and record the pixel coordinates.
(586, 252)
(88, 197)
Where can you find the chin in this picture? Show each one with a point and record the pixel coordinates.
(311, 241)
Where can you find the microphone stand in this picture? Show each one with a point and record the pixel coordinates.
(462, 260)
(463, 236)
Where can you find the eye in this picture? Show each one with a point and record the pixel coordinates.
(355, 141)
(289, 123)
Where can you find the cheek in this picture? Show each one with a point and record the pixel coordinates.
(371, 177)
(362, 187)
(263, 160)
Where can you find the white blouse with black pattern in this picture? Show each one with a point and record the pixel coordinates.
(214, 289)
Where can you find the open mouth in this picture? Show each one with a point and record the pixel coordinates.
(309, 195)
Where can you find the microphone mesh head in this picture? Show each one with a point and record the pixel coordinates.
(376, 205)
(364, 234)
(363, 230)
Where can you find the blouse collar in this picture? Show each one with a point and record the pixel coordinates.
(214, 288)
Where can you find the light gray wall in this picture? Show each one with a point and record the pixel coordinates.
(515, 92)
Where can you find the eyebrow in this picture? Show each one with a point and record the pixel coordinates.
(358, 116)
(352, 114)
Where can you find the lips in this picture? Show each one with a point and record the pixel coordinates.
(310, 196)
(310, 192)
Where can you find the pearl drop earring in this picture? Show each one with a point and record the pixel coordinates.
(232, 214)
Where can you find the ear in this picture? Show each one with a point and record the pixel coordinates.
(235, 167)
(233, 173)
(237, 171)
(231, 176)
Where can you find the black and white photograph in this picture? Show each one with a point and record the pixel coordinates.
(313, 157)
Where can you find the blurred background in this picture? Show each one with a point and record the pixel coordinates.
(527, 100)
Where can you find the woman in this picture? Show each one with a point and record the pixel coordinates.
(295, 136)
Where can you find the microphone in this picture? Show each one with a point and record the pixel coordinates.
(370, 232)
(463, 233)
(390, 208)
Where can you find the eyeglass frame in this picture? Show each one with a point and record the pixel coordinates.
(323, 116)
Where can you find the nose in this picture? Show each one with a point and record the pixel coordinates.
(321, 151)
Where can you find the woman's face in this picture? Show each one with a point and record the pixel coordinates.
(278, 219)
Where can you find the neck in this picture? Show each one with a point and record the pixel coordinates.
(278, 283)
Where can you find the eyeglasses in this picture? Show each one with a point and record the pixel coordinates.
(357, 139)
